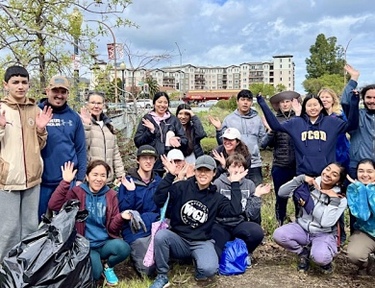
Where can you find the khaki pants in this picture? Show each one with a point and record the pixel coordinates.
(360, 245)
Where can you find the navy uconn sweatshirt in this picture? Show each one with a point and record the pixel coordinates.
(315, 143)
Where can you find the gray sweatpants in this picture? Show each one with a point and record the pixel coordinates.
(170, 245)
(19, 217)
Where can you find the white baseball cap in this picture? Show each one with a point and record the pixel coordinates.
(175, 154)
(232, 133)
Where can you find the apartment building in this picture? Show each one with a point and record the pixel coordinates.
(280, 70)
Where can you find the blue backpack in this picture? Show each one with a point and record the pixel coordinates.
(233, 260)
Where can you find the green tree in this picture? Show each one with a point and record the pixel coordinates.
(335, 82)
(266, 89)
(280, 88)
(36, 34)
(326, 58)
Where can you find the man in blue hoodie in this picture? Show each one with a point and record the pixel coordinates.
(65, 142)
(250, 125)
(136, 193)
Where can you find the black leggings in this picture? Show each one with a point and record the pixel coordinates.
(251, 233)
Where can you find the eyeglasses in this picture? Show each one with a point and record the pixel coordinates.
(96, 103)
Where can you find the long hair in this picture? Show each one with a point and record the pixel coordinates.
(188, 130)
(242, 149)
(342, 177)
(336, 108)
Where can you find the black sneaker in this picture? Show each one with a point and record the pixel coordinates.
(326, 269)
(303, 260)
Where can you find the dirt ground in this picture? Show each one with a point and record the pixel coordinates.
(272, 267)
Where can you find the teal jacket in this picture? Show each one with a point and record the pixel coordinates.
(361, 201)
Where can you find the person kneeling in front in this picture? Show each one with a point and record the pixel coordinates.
(193, 207)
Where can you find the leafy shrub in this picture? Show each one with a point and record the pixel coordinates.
(208, 144)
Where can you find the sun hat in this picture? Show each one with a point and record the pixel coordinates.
(285, 95)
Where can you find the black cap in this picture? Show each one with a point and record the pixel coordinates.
(147, 150)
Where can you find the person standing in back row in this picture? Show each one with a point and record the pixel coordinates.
(101, 141)
(66, 140)
(160, 129)
(250, 125)
(22, 135)
(284, 160)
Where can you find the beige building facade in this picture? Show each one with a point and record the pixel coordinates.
(279, 71)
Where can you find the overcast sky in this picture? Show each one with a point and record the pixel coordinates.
(225, 32)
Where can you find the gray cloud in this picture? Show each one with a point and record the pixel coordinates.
(219, 32)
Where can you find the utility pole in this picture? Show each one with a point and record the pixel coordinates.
(180, 84)
(75, 21)
(114, 53)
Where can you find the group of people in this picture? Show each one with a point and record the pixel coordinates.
(50, 154)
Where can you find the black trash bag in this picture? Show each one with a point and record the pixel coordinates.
(53, 256)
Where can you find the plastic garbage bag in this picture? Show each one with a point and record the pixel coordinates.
(233, 260)
(53, 256)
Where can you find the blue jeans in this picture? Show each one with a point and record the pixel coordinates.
(170, 245)
(280, 176)
(114, 251)
(45, 195)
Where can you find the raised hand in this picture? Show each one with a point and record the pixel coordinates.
(311, 181)
(68, 171)
(175, 141)
(186, 171)
(43, 118)
(237, 176)
(354, 74)
(85, 116)
(188, 111)
(329, 192)
(170, 166)
(3, 120)
(262, 189)
(219, 157)
(296, 107)
(128, 184)
(215, 121)
(148, 124)
(350, 179)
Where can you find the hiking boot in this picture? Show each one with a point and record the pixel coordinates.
(110, 276)
(303, 260)
(161, 281)
(327, 269)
